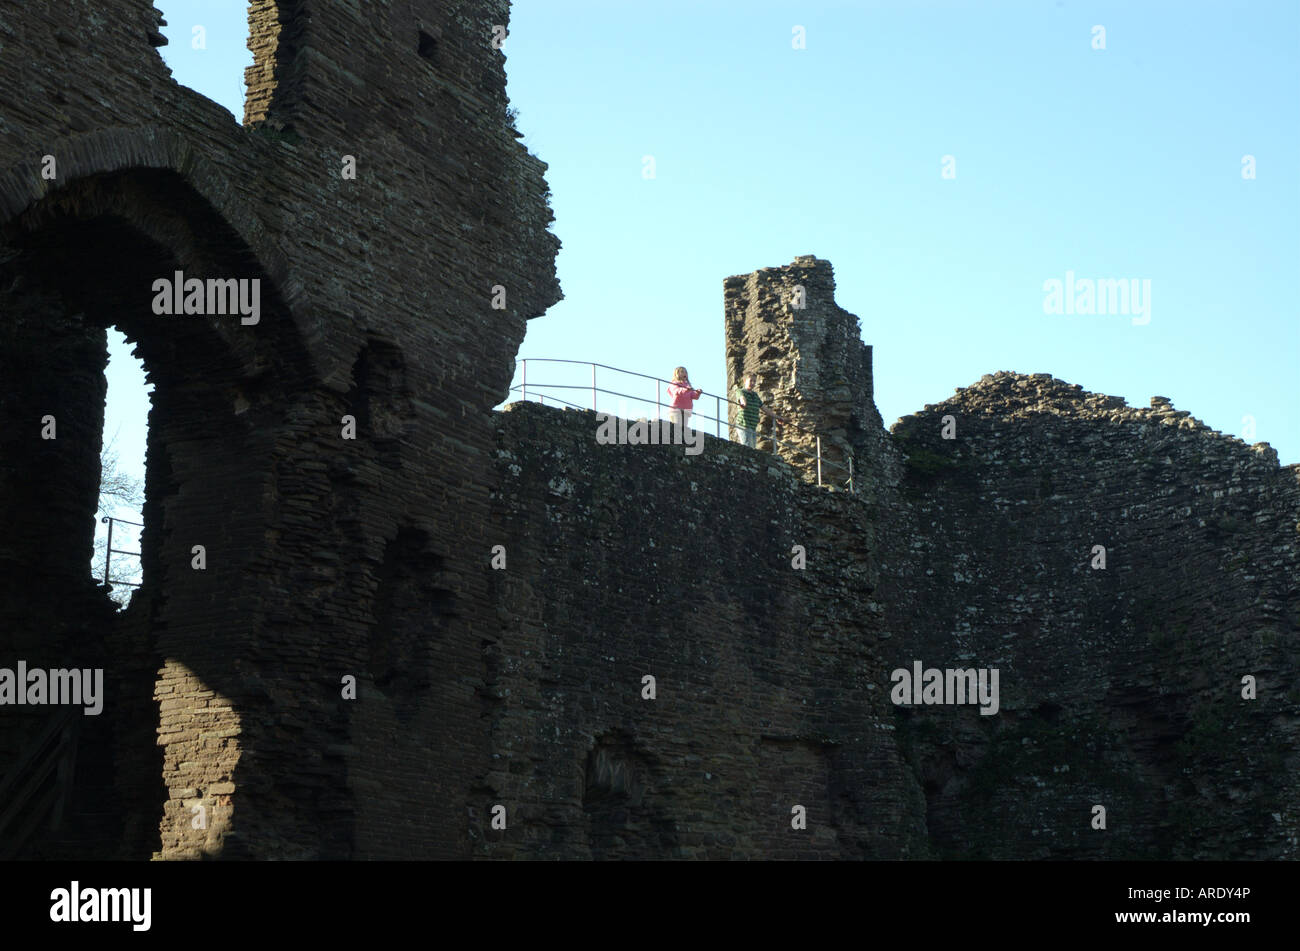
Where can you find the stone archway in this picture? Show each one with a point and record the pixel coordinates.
(83, 258)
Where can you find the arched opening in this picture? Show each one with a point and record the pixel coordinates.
(116, 561)
(85, 259)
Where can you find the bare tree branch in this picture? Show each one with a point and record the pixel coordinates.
(117, 490)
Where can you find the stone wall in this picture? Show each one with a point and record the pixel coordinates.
(376, 296)
(326, 558)
(623, 561)
(1120, 685)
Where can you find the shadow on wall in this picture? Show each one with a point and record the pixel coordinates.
(83, 259)
(618, 802)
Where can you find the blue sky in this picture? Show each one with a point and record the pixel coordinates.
(1115, 163)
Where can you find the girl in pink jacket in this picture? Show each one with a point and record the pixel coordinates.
(681, 397)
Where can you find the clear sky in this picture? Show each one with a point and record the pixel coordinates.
(1117, 163)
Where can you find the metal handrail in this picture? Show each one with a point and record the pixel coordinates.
(541, 398)
(849, 482)
(645, 376)
(109, 550)
(522, 390)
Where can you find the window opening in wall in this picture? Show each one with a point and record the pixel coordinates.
(120, 520)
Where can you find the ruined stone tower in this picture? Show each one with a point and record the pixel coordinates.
(279, 556)
(783, 325)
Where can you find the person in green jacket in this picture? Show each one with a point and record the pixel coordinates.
(750, 405)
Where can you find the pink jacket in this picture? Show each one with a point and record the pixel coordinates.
(681, 396)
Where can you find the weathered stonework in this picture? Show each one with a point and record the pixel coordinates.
(627, 561)
(1121, 686)
(376, 303)
(783, 325)
(521, 684)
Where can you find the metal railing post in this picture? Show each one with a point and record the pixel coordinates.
(779, 445)
(108, 549)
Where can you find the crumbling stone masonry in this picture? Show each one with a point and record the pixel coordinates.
(376, 303)
(635, 561)
(783, 325)
(1120, 679)
(1121, 685)
(499, 585)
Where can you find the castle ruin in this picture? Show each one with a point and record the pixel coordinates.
(282, 559)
